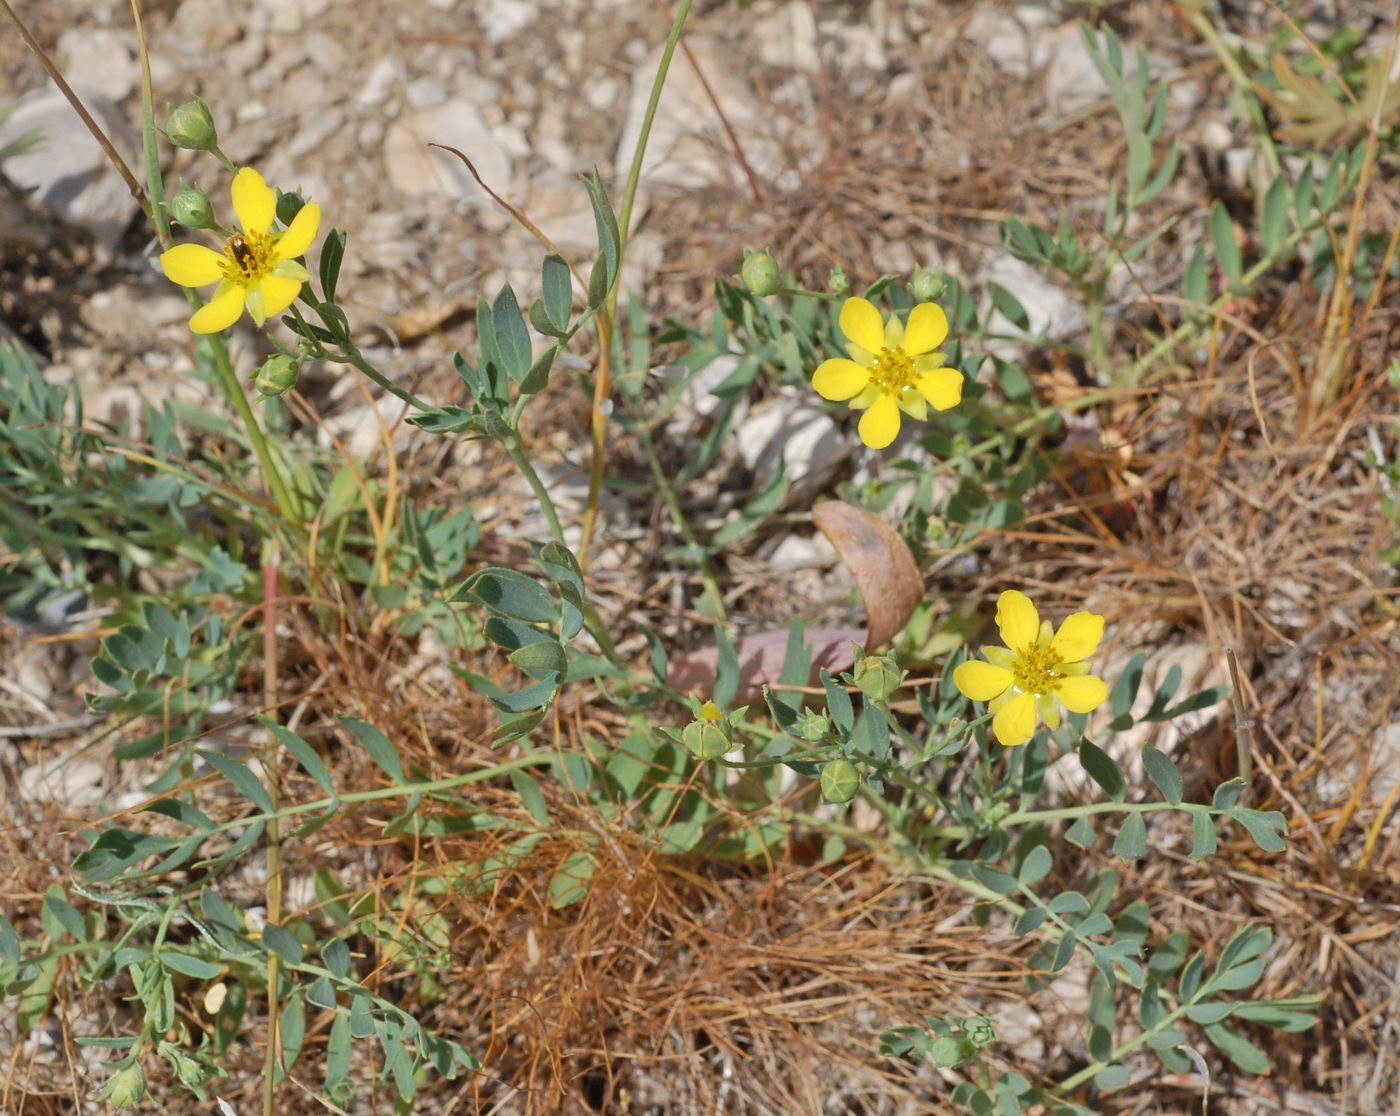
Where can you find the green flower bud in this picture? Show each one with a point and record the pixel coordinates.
(191, 208)
(840, 781)
(190, 125)
(760, 273)
(837, 283)
(811, 724)
(277, 376)
(877, 677)
(935, 530)
(288, 206)
(709, 736)
(979, 1031)
(927, 285)
(125, 1088)
(946, 1052)
(190, 1072)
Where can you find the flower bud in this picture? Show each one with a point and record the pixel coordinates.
(191, 208)
(190, 125)
(837, 283)
(979, 1031)
(125, 1088)
(927, 285)
(277, 376)
(840, 781)
(288, 206)
(190, 1072)
(760, 273)
(877, 677)
(709, 736)
(811, 724)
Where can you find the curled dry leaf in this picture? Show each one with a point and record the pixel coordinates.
(880, 564)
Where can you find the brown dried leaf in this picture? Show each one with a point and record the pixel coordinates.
(880, 563)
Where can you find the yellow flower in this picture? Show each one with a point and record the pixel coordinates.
(891, 369)
(1036, 672)
(257, 269)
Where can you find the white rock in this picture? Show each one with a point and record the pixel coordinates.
(324, 124)
(500, 19)
(787, 37)
(416, 169)
(1049, 309)
(102, 58)
(786, 432)
(378, 82)
(67, 782)
(66, 170)
(798, 553)
(424, 93)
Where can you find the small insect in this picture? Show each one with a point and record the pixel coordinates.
(241, 252)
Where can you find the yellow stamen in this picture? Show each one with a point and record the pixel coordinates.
(1035, 670)
(893, 370)
(247, 257)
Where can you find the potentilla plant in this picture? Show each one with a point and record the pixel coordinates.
(956, 784)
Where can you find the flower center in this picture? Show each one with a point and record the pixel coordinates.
(1035, 670)
(246, 257)
(893, 370)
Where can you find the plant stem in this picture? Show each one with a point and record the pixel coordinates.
(1243, 86)
(607, 321)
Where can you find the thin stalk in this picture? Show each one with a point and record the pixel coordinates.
(607, 321)
(218, 345)
(1243, 86)
(274, 826)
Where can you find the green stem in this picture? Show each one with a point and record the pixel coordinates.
(1243, 86)
(354, 357)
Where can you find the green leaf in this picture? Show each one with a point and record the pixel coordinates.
(558, 292)
(531, 797)
(332, 253)
(1222, 235)
(189, 965)
(303, 753)
(1238, 1049)
(1273, 219)
(377, 745)
(538, 376)
(282, 942)
(871, 734)
(1165, 173)
(244, 781)
(512, 338)
(9, 943)
(1029, 920)
(1202, 833)
(1102, 769)
(1163, 774)
(764, 503)
(1303, 195)
(726, 669)
(511, 594)
(1266, 827)
(1112, 1077)
(1081, 833)
(61, 913)
(993, 880)
(571, 882)
(336, 954)
(540, 659)
(321, 993)
(1279, 1018)
(599, 282)
(609, 239)
(291, 1031)
(1010, 307)
(1139, 162)
(1212, 1011)
(1069, 902)
(1195, 282)
(1036, 866)
(1131, 840)
(1228, 793)
(117, 849)
(838, 703)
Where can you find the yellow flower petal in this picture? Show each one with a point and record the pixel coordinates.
(272, 295)
(928, 326)
(192, 265)
(880, 424)
(1048, 710)
(861, 323)
(1017, 620)
(1078, 637)
(914, 405)
(980, 681)
(942, 387)
(299, 235)
(894, 333)
(220, 312)
(253, 201)
(1015, 722)
(1000, 656)
(1082, 694)
(839, 378)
